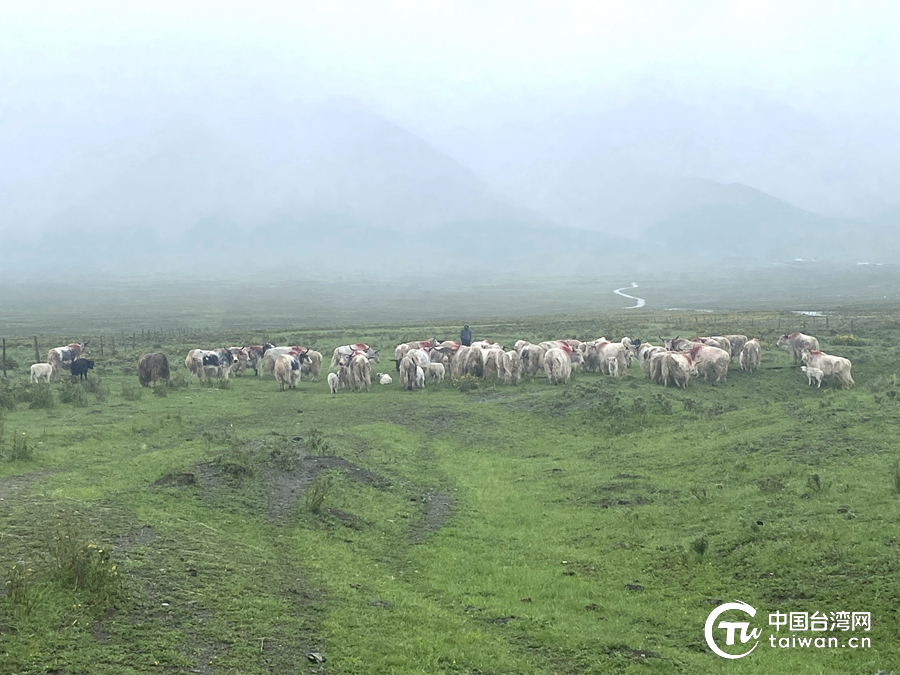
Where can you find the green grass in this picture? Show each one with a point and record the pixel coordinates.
(588, 528)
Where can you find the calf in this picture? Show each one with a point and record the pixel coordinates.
(612, 363)
(80, 368)
(813, 375)
(384, 378)
(333, 382)
(41, 370)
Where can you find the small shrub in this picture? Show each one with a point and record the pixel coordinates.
(316, 493)
(7, 396)
(770, 484)
(700, 493)
(815, 485)
(895, 476)
(132, 392)
(20, 592)
(283, 456)
(8, 364)
(72, 392)
(161, 390)
(848, 340)
(639, 405)
(19, 450)
(96, 387)
(316, 444)
(700, 546)
(215, 383)
(662, 403)
(39, 396)
(84, 567)
(466, 382)
(177, 381)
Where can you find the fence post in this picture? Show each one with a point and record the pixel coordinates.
(4, 358)
(113, 348)
(37, 352)
(101, 344)
(132, 342)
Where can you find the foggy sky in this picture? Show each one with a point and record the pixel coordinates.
(465, 76)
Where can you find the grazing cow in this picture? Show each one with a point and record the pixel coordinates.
(737, 344)
(152, 368)
(532, 359)
(837, 366)
(620, 351)
(655, 372)
(287, 370)
(209, 363)
(435, 372)
(240, 359)
(346, 351)
(255, 354)
(360, 372)
(645, 357)
(511, 367)
(557, 366)
(677, 367)
(401, 349)
(312, 366)
(797, 343)
(750, 355)
(707, 359)
(420, 378)
(612, 365)
(333, 382)
(384, 378)
(80, 368)
(813, 375)
(41, 370)
(492, 360)
(409, 373)
(62, 357)
(267, 365)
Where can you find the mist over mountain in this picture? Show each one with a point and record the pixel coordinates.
(335, 188)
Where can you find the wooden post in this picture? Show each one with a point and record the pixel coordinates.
(826, 322)
(132, 342)
(101, 344)
(37, 352)
(113, 348)
(4, 358)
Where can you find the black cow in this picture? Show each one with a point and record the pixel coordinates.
(80, 367)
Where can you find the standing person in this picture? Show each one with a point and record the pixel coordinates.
(465, 336)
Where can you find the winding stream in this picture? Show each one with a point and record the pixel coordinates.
(640, 301)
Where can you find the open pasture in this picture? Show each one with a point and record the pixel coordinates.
(587, 528)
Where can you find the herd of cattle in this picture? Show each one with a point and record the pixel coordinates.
(674, 362)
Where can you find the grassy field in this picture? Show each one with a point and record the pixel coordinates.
(588, 528)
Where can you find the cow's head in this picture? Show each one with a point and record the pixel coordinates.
(373, 355)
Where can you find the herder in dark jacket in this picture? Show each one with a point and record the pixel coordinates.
(465, 336)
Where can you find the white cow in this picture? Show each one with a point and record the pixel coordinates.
(360, 372)
(797, 343)
(333, 382)
(750, 355)
(813, 375)
(557, 366)
(41, 370)
(612, 365)
(287, 371)
(435, 372)
(837, 366)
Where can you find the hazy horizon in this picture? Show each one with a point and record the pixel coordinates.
(181, 123)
